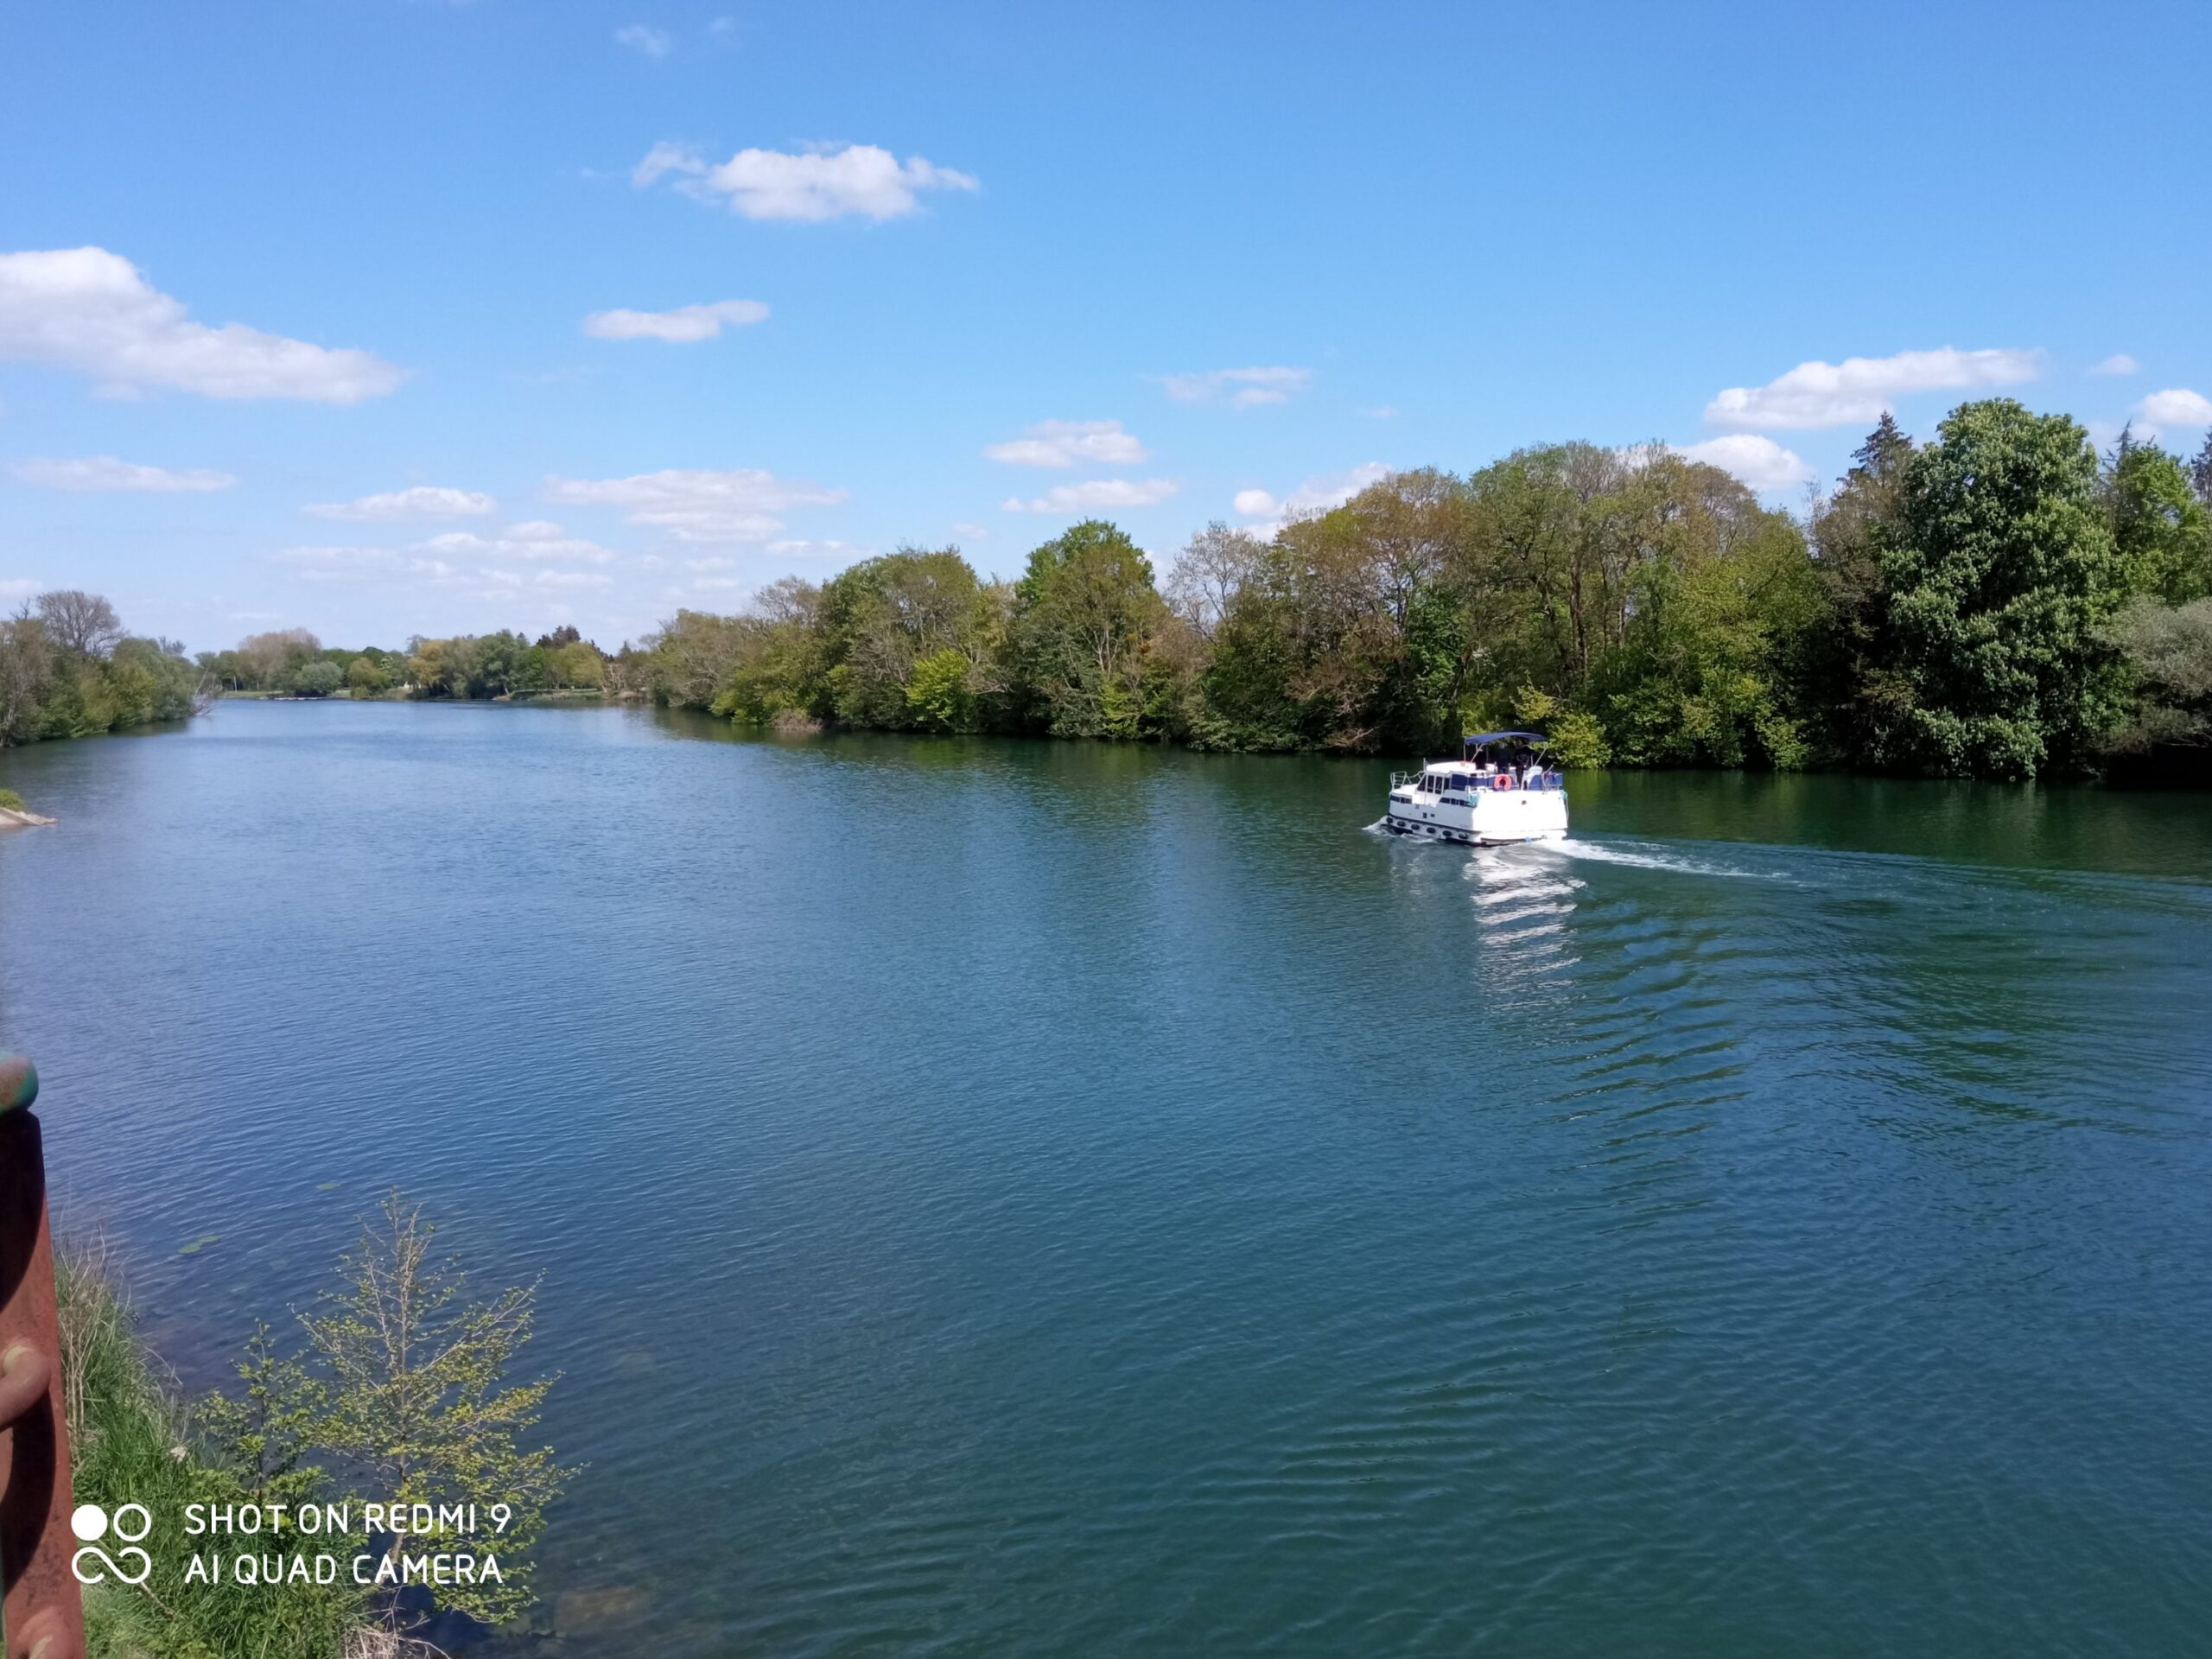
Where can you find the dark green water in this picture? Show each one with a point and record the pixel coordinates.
(1040, 1198)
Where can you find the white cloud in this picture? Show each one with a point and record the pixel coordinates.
(2119, 363)
(1062, 443)
(645, 38)
(680, 327)
(12, 586)
(105, 473)
(90, 310)
(737, 505)
(1380, 412)
(1858, 390)
(2177, 406)
(810, 186)
(1247, 388)
(342, 563)
(536, 539)
(1762, 463)
(1314, 495)
(1107, 492)
(971, 530)
(806, 549)
(438, 566)
(453, 562)
(396, 506)
(664, 158)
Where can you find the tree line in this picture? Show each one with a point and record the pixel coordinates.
(1999, 602)
(293, 661)
(69, 667)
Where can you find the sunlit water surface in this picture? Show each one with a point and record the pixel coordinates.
(1024, 1197)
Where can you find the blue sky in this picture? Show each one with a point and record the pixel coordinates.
(1207, 261)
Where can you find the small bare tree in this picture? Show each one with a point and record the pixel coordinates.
(1216, 564)
(78, 621)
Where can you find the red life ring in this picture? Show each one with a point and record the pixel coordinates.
(1504, 780)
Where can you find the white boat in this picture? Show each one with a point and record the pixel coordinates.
(1499, 790)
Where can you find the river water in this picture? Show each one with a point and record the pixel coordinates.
(1006, 1197)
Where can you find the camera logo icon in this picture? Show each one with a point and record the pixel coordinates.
(130, 1524)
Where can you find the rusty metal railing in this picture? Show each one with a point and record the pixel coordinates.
(43, 1610)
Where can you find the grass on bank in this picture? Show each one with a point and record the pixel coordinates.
(12, 802)
(132, 1442)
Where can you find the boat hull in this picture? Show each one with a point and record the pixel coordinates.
(1483, 818)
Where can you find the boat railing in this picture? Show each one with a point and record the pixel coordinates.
(1538, 777)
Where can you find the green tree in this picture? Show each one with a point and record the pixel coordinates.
(366, 676)
(1085, 616)
(2168, 650)
(773, 659)
(530, 668)
(879, 617)
(689, 658)
(416, 1395)
(1553, 545)
(1348, 631)
(2162, 535)
(1850, 696)
(222, 667)
(577, 662)
(26, 671)
(265, 1432)
(500, 663)
(267, 661)
(317, 679)
(1721, 601)
(1999, 576)
(937, 697)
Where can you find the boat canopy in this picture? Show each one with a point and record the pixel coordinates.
(1492, 737)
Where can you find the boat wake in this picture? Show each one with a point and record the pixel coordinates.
(1640, 855)
(1647, 856)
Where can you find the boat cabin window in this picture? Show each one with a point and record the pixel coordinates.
(1458, 780)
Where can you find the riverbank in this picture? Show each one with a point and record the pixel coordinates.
(410, 694)
(132, 1440)
(14, 815)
